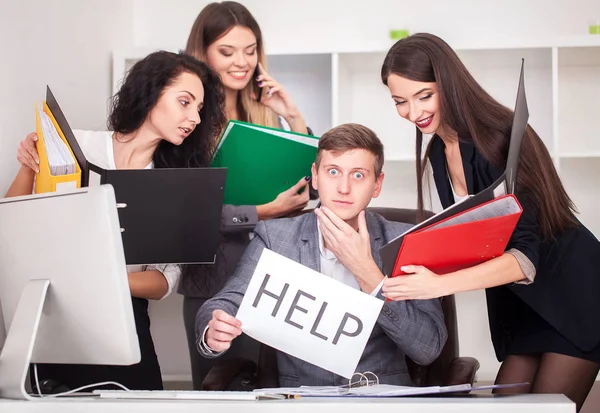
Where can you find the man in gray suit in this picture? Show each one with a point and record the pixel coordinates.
(342, 241)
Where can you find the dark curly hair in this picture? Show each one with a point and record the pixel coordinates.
(140, 91)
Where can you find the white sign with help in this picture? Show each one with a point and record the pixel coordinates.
(307, 314)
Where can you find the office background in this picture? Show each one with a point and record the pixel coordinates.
(328, 55)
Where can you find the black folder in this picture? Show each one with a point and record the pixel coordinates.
(167, 216)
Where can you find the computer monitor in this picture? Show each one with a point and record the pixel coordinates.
(63, 284)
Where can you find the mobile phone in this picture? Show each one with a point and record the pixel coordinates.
(258, 89)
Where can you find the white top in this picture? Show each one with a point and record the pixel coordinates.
(331, 267)
(97, 146)
(457, 198)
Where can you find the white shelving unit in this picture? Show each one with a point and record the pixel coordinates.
(562, 81)
(577, 130)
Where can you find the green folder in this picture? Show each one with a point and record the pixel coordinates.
(262, 162)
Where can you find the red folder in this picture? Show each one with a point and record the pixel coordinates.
(463, 240)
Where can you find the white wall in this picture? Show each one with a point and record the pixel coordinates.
(67, 44)
(341, 25)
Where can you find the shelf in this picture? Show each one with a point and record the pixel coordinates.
(577, 175)
(307, 80)
(580, 155)
(407, 158)
(484, 44)
(341, 86)
(566, 155)
(578, 100)
(585, 40)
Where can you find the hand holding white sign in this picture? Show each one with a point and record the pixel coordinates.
(222, 329)
(308, 315)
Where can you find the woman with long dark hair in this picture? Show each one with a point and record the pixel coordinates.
(542, 293)
(167, 114)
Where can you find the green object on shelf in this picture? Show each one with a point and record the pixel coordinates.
(594, 28)
(398, 34)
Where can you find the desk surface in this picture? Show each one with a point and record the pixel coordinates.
(530, 403)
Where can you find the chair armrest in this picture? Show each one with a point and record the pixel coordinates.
(222, 375)
(461, 371)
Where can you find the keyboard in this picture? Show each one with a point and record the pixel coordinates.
(185, 395)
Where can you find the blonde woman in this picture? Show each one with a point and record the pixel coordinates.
(227, 37)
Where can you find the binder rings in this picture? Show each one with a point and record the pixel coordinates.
(472, 231)
(46, 181)
(262, 162)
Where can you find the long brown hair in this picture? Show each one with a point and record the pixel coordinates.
(215, 21)
(476, 117)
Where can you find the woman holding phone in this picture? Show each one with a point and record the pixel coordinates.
(226, 36)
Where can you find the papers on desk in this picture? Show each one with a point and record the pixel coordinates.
(379, 390)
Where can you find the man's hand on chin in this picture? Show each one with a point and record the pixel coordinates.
(352, 248)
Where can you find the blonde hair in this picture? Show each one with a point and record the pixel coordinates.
(215, 21)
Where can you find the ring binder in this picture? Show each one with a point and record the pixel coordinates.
(46, 180)
(121, 205)
(363, 383)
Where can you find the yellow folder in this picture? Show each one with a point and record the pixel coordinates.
(45, 181)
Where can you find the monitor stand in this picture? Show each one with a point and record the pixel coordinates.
(18, 348)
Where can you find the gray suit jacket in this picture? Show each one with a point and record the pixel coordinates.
(413, 328)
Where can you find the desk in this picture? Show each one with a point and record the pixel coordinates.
(530, 403)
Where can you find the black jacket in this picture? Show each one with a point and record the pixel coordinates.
(566, 290)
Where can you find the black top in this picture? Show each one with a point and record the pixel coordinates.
(566, 290)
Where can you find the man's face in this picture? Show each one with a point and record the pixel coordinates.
(346, 181)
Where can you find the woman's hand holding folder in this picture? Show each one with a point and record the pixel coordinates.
(29, 159)
(288, 201)
(419, 283)
(27, 154)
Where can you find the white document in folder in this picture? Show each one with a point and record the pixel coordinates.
(380, 390)
(60, 159)
(498, 207)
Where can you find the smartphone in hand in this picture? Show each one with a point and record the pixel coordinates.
(258, 89)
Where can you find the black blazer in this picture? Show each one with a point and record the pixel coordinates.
(566, 290)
